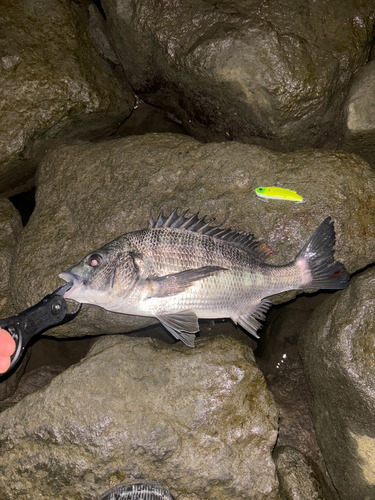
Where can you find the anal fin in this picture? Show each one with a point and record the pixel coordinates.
(250, 320)
(182, 325)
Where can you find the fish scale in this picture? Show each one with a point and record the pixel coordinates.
(182, 268)
(217, 294)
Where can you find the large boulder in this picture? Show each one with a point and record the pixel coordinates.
(54, 85)
(273, 73)
(299, 476)
(199, 421)
(360, 115)
(338, 349)
(88, 194)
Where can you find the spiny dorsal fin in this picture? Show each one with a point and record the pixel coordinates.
(246, 242)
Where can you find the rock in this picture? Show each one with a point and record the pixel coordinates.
(99, 34)
(31, 382)
(194, 420)
(88, 194)
(338, 350)
(360, 115)
(10, 230)
(10, 380)
(299, 476)
(275, 74)
(278, 358)
(54, 87)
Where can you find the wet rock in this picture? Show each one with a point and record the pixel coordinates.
(30, 382)
(88, 194)
(360, 115)
(54, 87)
(272, 73)
(10, 230)
(278, 358)
(299, 476)
(195, 420)
(338, 350)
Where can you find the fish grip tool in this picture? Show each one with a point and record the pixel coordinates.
(49, 312)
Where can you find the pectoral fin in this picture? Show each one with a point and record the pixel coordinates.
(181, 325)
(172, 284)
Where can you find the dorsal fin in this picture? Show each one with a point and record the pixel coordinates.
(246, 242)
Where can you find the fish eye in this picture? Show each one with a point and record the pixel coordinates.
(260, 189)
(95, 260)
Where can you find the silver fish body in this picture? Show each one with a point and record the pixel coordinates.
(182, 269)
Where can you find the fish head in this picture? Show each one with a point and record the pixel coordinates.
(103, 276)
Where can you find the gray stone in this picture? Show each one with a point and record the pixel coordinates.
(54, 86)
(299, 476)
(360, 115)
(338, 349)
(88, 194)
(273, 73)
(201, 422)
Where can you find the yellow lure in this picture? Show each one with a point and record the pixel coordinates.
(276, 193)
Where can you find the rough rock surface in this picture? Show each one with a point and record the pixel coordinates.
(360, 115)
(88, 194)
(31, 382)
(272, 72)
(53, 85)
(10, 230)
(199, 421)
(278, 358)
(300, 478)
(338, 349)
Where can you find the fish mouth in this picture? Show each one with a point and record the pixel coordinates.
(74, 279)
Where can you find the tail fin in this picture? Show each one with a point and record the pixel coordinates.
(317, 262)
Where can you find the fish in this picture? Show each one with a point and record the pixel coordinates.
(182, 268)
(277, 193)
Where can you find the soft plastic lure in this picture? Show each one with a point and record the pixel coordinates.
(276, 193)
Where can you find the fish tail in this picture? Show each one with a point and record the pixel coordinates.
(318, 266)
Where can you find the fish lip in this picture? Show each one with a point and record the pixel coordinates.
(69, 276)
(74, 279)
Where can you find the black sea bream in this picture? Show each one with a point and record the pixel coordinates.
(182, 269)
